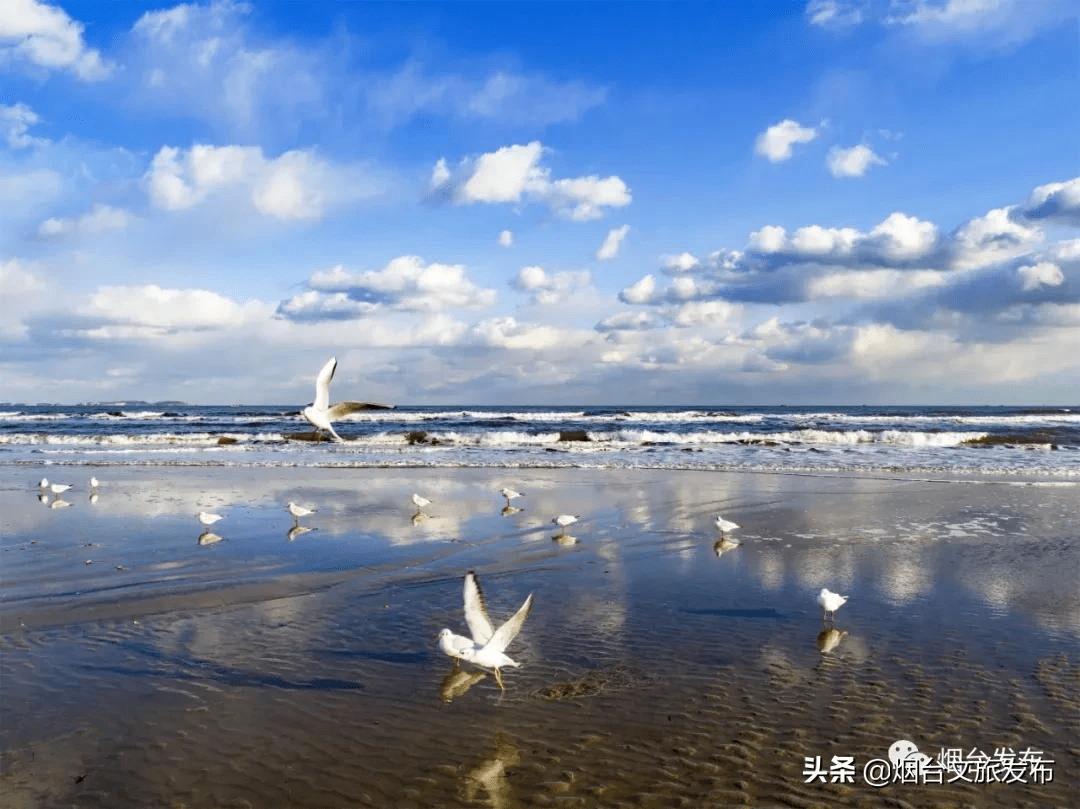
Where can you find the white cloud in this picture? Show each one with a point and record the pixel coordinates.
(45, 36)
(504, 175)
(1055, 201)
(1044, 273)
(507, 332)
(296, 185)
(991, 239)
(512, 174)
(814, 240)
(902, 237)
(15, 122)
(501, 95)
(506, 238)
(852, 162)
(640, 292)
(547, 288)
(863, 284)
(683, 262)
(23, 289)
(406, 283)
(137, 311)
(610, 248)
(101, 219)
(996, 23)
(776, 142)
(833, 13)
(769, 239)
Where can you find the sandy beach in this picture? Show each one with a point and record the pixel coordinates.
(145, 666)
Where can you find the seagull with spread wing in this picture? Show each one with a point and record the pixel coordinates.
(487, 646)
(320, 414)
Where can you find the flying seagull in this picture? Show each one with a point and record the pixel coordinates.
(486, 648)
(321, 414)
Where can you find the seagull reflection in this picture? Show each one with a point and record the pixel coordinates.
(458, 681)
(418, 518)
(297, 531)
(723, 545)
(209, 538)
(93, 497)
(829, 638)
(43, 498)
(490, 776)
(508, 509)
(564, 539)
(58, 503)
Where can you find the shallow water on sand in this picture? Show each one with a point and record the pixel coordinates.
(657, 670)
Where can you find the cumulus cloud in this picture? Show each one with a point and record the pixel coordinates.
(683, 262)
(296, 185)
(548, 288)
(642, 291)
(100, 219)
(124, 312)
(1058, 202)
(506, 238)
(46, 37)
(610, 248)
(507, 332)
(776, 143)
(405, 284)
(513, 174)
(991, 239)
(852, 162)
(1045, 273)
(15, 122)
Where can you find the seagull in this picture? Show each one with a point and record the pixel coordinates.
(723, 526)
(321, 413)
(830, 601)
(420, 502)
(486, 647)
(55, 488)
(206, 519)
(564, 520)
(93, 483)
(509, 494)
(299, 511)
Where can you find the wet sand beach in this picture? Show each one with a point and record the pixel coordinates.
(143, 665)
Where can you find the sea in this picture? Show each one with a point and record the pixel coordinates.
(1031, 442)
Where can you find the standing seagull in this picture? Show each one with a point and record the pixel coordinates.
(723, 526)
(420, 502)
(55, 488)
(207, 519)
(830, 602)
(321, 413)
(486, 648)
(509, 494)
(299, 511)
(564, 520)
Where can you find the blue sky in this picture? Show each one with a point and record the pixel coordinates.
(839, 201)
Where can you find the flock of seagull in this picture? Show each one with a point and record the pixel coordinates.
(485, 647)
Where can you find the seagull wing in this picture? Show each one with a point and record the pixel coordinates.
(345, 408)
(475, 612)
(322, 384)
(508, 631)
